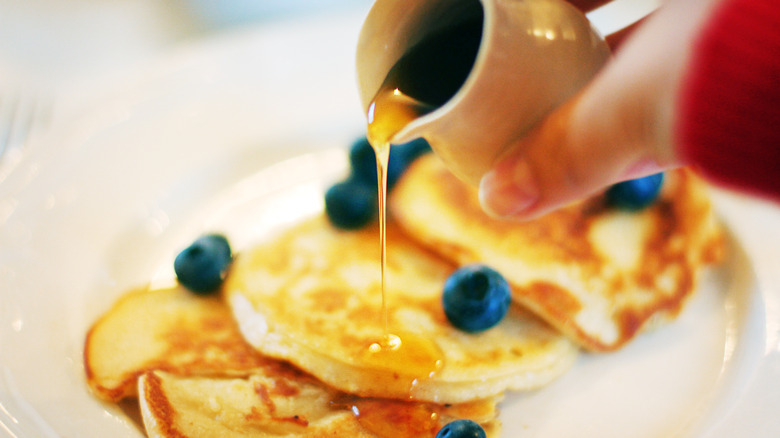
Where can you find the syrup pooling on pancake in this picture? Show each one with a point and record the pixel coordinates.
(598, 274)
(310, 295)
(396, 418)
(418, 356)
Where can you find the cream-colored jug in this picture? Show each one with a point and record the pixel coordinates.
(532, 55)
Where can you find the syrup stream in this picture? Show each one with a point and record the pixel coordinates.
(428, 75)
(382, 151)
(388, 113)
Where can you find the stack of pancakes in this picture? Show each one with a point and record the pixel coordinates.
(283, 350)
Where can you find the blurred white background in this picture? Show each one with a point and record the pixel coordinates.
(64, 47)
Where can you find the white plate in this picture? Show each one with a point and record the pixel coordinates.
(186, 146)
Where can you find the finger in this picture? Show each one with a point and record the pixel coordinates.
(556, 164)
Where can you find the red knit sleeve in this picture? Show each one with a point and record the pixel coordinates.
(728, 123)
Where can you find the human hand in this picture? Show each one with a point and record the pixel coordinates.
(619, 127)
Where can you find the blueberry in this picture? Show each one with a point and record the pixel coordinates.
(475, 298)
(362, 160)
(202, 266)
(462, 429)
(635, 194)
(351, 204)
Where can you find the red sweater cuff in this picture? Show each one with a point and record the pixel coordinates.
(728, 123)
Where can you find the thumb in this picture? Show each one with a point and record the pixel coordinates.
(617, 128)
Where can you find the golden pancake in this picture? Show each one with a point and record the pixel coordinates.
(216, 385)
(598, 274)
(287, 403)
(312, 296)
(168, 329)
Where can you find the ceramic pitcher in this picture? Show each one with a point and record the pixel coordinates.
(533, 55)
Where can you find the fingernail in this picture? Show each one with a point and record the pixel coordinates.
(509, 189)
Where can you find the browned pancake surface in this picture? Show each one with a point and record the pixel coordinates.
(279, 403)
(596, 273)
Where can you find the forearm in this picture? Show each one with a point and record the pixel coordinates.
(727, 122)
